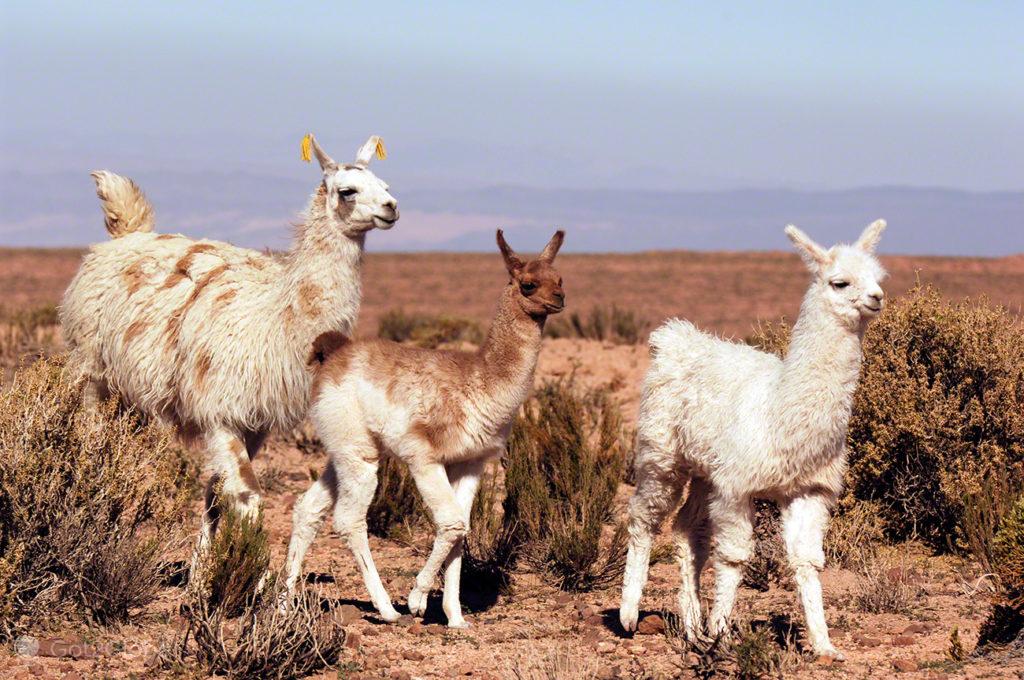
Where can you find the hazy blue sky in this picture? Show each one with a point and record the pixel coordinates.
(662, 96)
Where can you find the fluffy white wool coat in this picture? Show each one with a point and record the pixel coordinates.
(744, 424)
(215, 339)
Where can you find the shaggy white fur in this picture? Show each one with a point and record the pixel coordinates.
(739, 424)
(443, 413)
(214, 339)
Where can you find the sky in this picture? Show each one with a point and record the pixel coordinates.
(205, 104)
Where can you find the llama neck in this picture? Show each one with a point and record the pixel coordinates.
(818, 380)
(321, 282)
(509, 353)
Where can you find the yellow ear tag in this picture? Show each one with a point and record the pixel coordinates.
(382, 153)
(307, 148)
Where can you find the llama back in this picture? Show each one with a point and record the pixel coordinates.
(160, 320)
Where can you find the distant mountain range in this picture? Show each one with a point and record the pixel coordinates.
(255, 210)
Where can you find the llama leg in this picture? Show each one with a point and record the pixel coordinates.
(804, 522)
(232, 480)
(691, 532)
(465, 479)
(657, 492)
(438, 496)
(732, 522)
(356, 469)
(307, 517)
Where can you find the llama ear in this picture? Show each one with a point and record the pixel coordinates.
(814, 256)
(512, 261)
(327, 163)
(367, 150)
(551, 249)
(868, 241)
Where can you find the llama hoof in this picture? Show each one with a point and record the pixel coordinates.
(458, 623)
(829, 655)
(390, 615)
(417, 602)
(628, 617)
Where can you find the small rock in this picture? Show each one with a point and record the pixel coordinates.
(865, 641)
(412, 655)
(434, 629)
(652, 624)
(591, 636)
(563, 599)
(903, 641)
(594, 620)
(370, 630)
(399, 674)
(905, 665)
(405, 620)
(605, 648)
(636, 650)
(825, 660)
(416, 628)
(350, 614)
(36, 670)
(585, 610)
(353, 639)
(915, 629)
(71, 675)
(607, 673)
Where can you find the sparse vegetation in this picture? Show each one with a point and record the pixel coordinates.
(614, 324)
(768, 563)
(752, 650)
(396, 508)
(89, 503)
(427, 330)
(939, 409)
(31, 331)
(234, 565)
(1005, 623)
(886, 587)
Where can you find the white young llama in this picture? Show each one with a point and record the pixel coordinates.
(214, 339)
(444, 413)
(740, 424)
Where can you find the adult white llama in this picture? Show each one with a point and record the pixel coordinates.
(216, 339)
(739, 424)
(443, 413)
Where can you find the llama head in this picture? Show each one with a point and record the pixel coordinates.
(538, 285)
(356, 198)
(848, 277)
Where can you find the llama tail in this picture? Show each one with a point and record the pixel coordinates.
(125, 208)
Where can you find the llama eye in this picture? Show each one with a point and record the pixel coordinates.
(839, 285)
(527, 288)
(347, 193)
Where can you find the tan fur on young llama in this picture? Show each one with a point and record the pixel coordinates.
(215, 339)
(441, 412)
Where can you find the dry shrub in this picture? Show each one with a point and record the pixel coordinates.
(27, 332)
(235, 563)
(428, 330)
(886, 586)
(89, 503)
(939, 409)
(751, 650)
(396, 508)
(614, 324)
(304, 438)
(563, 466)
(768, 563)
(854, 534)
(1005, 624)
(266, 641)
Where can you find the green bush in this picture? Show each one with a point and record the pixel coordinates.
(235, 563)
(939, 409)
(89, 503)
(428, 330)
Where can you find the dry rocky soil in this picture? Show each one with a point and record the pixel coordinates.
(536, 623)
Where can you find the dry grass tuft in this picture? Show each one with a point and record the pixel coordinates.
(428, 330)
(752, 650)
(614, 324)
(27, 332)
(235, 563)
(768, 563)
(265, 641)
(89, 503)
(886, 587)
(397, 508)
(557, 665)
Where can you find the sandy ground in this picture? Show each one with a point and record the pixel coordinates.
(537, 622)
